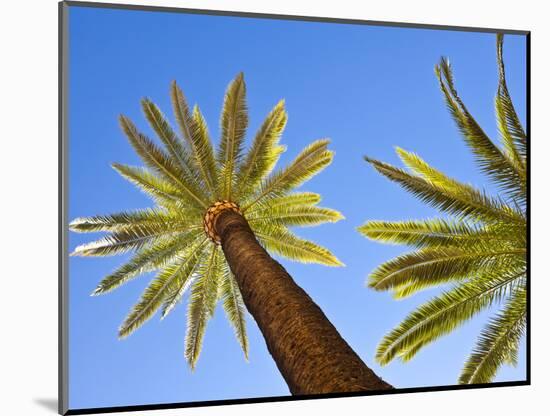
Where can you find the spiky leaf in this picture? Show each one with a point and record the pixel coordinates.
(498, 341)
(314, 158)
(264, 153)
(234, 307)
(443, 314)
(283, 242)
(201, 304)
(234, 122)
(151, 258)
(170, 278)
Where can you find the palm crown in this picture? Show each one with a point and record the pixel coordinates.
(190, 184)
(480, 247)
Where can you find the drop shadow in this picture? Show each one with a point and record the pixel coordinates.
(48, 404)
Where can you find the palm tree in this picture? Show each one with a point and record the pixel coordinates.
(215, 216)
(480, 248)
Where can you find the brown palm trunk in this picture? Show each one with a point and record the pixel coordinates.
(309, 352)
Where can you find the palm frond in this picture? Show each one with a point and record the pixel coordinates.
(195, 133)
(164, 131)
(153, 217)
(170, 278)
(281, 241)
(201, 305)
(158, 188)
(433, 266)
(182, 112)
(463, 202)
(175, 296)
(290, 200)
(234, 307)
(443, 314)
(435, 177)
(151, 258)
(264, 152)
(435, 233)
(490, 157)
(234, 121)
(126, 240)
(202, 150)
(156, 159)
(295, 215)
(308, 163)
(499, 341)
(511, 130)
(440, 180)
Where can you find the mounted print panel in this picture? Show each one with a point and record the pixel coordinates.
(266, 208)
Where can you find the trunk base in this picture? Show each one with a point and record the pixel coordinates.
(310, 353)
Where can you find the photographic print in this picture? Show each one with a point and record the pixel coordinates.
(265, 208)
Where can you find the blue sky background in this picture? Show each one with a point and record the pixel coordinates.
(367, 88)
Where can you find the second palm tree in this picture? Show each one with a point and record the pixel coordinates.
(481, 248)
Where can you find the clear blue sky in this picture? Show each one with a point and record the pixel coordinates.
(367, 88)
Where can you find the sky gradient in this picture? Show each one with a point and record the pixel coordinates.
(367, 88)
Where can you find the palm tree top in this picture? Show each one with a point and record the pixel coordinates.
(191, 183)
(480, 248)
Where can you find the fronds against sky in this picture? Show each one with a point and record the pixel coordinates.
(480, 247)
(187, 178)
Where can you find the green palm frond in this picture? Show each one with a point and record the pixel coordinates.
(481, 248)
(175, 296)
(203, 151)
(124, 220)
(201, 305)
(443, 314)
(511, 130)
(151, 258)
(295, 215)
(157, 188)
(182, 112)
(433, 266)
(234, 307)
(469, 204)
(314, 158)
(126, 240)
(195, 133)
(438, 232)
(184, 177)
(492, 160)
(174, 145)
(281, 241)
(159, 161)
(234, 122)
(264, 152)
(498, 342)
(170, 279)
(291, 200)
(442, 181)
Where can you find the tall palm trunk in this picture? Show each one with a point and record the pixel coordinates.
(309, 352)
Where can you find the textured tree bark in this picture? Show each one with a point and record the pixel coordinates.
(310, 353)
